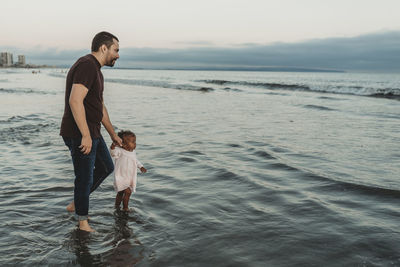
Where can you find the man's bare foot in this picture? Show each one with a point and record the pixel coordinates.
(71, 207)
(84, 226)
(126, 209)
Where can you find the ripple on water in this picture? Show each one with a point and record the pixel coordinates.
(264, 155)
(193, 152)
(234, 145)
(282, 166)
(187, 159)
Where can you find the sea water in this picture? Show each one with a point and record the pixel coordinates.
(244, 169)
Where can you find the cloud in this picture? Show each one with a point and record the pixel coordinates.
(371, 52)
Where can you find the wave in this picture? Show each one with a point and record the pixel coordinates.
(161, 84)
(370, 190)
(260, 84)
(330, 183)
(318, 107)
(58, 74)
(237, 86)
(25, 91)
(31, 117)
(232, 89)
(390, 93)
(330, 98)
(7, 71)
(337, 184)
(24, 133)
(24, 128)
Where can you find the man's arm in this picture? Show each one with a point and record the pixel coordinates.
(78, 94)
(110, 129)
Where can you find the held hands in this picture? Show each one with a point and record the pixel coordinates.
(86, 144)
(117, 141)
(143, 170)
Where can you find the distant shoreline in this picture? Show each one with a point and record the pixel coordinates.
(30, 66)
(255, 69)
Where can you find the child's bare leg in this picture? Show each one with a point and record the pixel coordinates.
(118, 199)
(71, 206)
(127, 195)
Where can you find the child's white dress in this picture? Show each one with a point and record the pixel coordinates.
(125, 171)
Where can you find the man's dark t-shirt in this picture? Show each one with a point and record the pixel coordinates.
(85, 71)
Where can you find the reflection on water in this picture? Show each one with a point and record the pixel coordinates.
(81, 241)
(123, 248)
(127, 249)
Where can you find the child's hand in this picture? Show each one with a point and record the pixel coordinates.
(112, 146)
(143, 170)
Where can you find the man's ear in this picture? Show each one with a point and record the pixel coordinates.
(103, 48)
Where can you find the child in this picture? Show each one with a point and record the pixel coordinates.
(126, 165)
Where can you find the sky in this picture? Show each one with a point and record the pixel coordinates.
(191, 31)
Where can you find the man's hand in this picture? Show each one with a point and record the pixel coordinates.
(116, 140)
(86, 144)
(143, 170)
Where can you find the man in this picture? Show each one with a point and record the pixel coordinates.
(83, 115)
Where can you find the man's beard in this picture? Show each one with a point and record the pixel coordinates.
(111, 62)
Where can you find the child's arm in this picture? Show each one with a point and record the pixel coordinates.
(115, 153)
(140, 166)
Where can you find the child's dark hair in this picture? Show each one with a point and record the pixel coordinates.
(123, 134)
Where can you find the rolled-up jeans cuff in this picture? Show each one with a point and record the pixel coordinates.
(81, 217)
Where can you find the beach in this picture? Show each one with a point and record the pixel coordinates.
(244, 169)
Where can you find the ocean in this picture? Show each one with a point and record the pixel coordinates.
(244, 169)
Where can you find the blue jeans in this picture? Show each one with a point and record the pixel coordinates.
(90, 171)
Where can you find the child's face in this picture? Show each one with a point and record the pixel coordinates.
(129, 143)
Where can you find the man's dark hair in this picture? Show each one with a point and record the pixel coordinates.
(123, 134)
(103, 38)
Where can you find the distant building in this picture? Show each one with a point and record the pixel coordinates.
(6, 59)
(21, 60)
